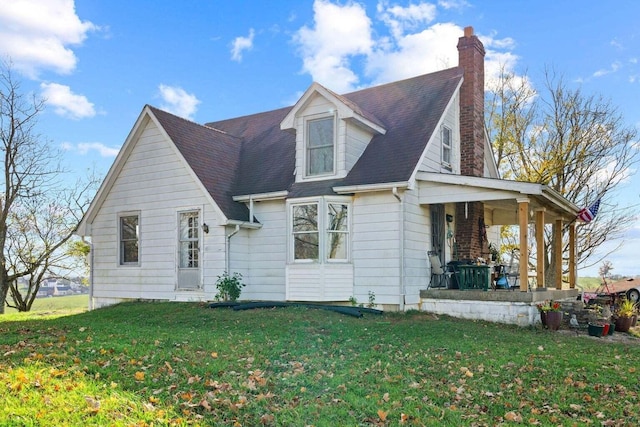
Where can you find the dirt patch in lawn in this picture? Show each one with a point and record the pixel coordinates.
(618, 337)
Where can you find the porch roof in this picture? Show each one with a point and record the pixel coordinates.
(499, 196)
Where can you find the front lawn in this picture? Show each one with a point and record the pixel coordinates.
(140, 364)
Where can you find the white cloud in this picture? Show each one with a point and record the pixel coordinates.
(84, 148)
(429, 50)
(453, 4)
(37, 35)
(400, 19)
(65, 102)
(344, 34)
(177, 101)
(612, 69)
(340, 32)
(240, 44)
(103, 150)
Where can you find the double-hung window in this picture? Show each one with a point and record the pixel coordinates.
(305, 232)
(320, 146)
(337, 231)
(129, 239)
(446, 147)
(320, 231)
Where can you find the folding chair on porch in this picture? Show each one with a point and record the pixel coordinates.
(437, 272)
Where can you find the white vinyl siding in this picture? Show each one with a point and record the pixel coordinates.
(154, 182)
(433, 156)
(376, 247)
(263, 258)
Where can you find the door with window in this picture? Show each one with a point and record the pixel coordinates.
(189, 276)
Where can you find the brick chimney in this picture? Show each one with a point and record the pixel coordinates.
(471, 59)
(470, 232)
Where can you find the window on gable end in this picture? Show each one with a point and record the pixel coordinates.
(320, 146)
(446, 147)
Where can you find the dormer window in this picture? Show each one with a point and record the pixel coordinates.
(446, 147)
(320, 146)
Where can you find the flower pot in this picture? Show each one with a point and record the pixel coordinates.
(595, 330)
(612, 327)
(623, 324)
(553, 320)
(605, 329)
(634, 320)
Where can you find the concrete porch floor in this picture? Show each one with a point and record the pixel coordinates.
(502, 306)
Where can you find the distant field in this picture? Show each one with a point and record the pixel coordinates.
(69, 304)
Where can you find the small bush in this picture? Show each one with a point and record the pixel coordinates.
(229, 287)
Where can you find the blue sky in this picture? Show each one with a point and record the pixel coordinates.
(98, 62)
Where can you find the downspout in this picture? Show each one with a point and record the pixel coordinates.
(227, 249)
(250, 210)
(401, 255)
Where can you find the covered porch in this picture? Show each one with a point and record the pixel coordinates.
(487, 202)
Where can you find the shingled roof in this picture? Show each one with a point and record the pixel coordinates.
(252, 155)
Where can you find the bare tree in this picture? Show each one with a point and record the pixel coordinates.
(39, 210)
(577, 144)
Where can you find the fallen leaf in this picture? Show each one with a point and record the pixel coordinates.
(382, 414)
(139, 376)
(94, 404)
(513, 417)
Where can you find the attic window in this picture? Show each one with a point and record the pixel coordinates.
(320, 146)
(446, 147)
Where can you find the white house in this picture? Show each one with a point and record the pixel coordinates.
(338, 196)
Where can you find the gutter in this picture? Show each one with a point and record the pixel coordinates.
(401, 284)
(227, 249)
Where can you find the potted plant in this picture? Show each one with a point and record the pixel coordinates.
(495, 253)
(598, 329)
(550, 314)
(624, 315)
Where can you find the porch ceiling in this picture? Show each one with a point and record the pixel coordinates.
(500, 197)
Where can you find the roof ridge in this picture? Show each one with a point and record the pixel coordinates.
(206, 126)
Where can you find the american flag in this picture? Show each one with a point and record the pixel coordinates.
(588, 214)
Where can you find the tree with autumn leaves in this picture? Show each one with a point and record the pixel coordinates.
(576, 143)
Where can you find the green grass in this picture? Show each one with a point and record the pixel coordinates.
(140, 364)
(55, 306)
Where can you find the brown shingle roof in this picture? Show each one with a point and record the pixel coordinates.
(251, 155)
(213, 156)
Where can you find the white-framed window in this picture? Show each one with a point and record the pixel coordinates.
(320, 231)
(447, 137)
(337, 248)
(320, 146)
(189, 236)
(129, 239)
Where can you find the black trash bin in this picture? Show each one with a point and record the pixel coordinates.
(451, 267)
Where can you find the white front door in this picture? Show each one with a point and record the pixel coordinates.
(189, 250)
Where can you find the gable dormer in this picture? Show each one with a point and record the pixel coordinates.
(331, 134)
